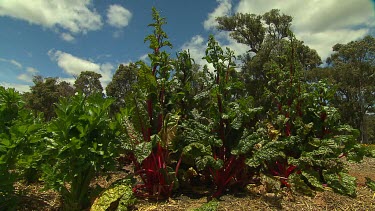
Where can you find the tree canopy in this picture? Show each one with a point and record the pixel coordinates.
(351, 69)
(122, 83)
(88, 82)
(45, 93)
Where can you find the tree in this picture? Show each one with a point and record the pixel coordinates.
(88, 82)
(267, 37)
(45, 93)
(370, 127)
(122, 83)
(65, 89)
(352, 70)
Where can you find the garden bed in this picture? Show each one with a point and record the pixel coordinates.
(255, 198)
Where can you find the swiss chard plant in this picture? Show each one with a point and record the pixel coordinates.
(149, 124)
(301, 137)
(82, 141)
(213, 135)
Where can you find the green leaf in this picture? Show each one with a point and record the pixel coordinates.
(313, 178)
(267, 153)
(208, 160)
(142, 151)
(341, 182)
(209, 206)
(370, 183)
(299, 184)
(121, 192)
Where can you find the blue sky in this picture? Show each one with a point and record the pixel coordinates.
(61, 38)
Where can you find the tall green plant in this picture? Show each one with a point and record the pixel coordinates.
(83, 141)
(302, 132)
(212, 137)
(149, 124)
(20, 143)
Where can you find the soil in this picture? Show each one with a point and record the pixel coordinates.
(34, 198)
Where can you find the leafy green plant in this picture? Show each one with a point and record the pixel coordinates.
(370, 150)
(20, 135)
(302, 132)
(149, 126)
(83, 141)
(215, 132)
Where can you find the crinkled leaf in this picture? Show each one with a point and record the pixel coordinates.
(267, 153)
(203, 162)
(142, 151)
(341, 182)
(299, 184)
(121, 192)
(312, 178)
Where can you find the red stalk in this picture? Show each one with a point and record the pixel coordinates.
(287, 125)
(230, 171)
(283, 170)
(178, 165)
(279, 107)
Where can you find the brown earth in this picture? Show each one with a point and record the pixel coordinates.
(254, 199)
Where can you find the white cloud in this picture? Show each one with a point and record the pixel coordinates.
(70, 80)
(73, 65)
(71, 15)
(320, 23)
(144, 58)
(224, 8)
(323, 42)
(25, 77)
(18, 87)
(32, 70)
(117, 34)
(238, 48)
(197, 47)
(118, 16)
(67, 37)
(28, 76)
(13, 62)
(106, 71)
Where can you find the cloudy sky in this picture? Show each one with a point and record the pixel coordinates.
(61, 38)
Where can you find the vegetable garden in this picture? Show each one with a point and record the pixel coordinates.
(183, 127)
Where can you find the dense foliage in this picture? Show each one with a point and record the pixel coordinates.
(45, 93)
(178, 123)
(80, 142)
(20, 144)
(351, 69)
